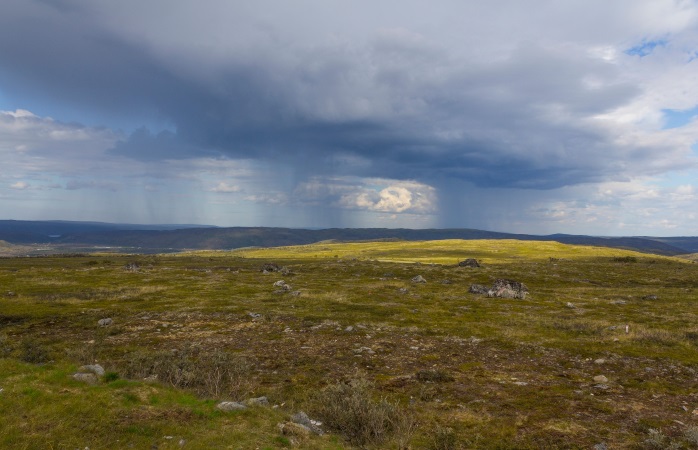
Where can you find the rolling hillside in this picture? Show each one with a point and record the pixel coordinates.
(161, 238)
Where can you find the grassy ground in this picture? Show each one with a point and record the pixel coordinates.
(383, 362)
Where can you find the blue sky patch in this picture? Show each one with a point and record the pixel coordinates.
(676, 118)
(645, 47)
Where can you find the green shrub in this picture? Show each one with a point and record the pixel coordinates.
(111, 376)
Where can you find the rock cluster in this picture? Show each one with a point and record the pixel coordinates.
(89, 374)
(282, 287)
(508, 289)
(273, 267)
(501, 289)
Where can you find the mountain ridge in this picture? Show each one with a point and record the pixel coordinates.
(193, 237)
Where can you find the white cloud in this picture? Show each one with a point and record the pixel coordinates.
(226, 188)
(369, 194)
(20, 185)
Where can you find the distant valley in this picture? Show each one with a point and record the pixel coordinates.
(40, 237)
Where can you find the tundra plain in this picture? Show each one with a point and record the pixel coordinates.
(602, 352)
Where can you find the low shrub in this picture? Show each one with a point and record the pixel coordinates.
(352, 410)
(624, 259)
(215, 374)
(33, 351)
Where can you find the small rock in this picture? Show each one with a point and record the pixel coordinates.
(570, 305)
(230, 406)
(368, 350)
(132, 267)
(92, 368)
(349, 329)
(618, 302)
(88, 378)
(520, 383)
(10, 294)
(296, 293)
(446, 282)
(601, 446)
(403, 290)
(650, 297)
(302, 418)
(470, 262)
(258, 401)
(418, 279)
(603, 387)
(600, 379)
(599, 361)
(105, 322)
(254, 315)
(270, 267)
(280, 283)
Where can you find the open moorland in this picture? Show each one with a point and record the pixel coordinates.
(602, 353)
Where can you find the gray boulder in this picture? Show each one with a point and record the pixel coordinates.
(470, 262)
(105, 322)
(419, 279)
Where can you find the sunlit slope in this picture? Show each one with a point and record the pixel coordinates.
(449, 251)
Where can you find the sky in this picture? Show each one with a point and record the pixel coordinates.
(537, 117)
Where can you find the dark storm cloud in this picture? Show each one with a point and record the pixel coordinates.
(404, 107)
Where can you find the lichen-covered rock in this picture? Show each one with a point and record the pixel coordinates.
(508, 289)
(257, 401)
(478, 289)
(88, 378)
(92, 368)
(419, 279)
(105, 322)
(230, 406)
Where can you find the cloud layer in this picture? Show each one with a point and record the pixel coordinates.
(386, 109)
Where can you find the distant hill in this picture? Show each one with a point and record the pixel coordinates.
(688, 243)
(148, 238)
(49, 231)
